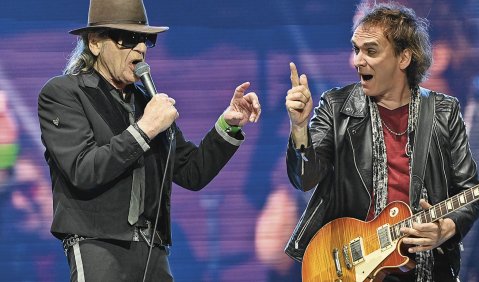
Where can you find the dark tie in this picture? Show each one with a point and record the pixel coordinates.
(138, 184)
(137, 193)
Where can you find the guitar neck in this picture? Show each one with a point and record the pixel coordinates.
(438, 211)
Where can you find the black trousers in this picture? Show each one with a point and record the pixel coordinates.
(95, 260)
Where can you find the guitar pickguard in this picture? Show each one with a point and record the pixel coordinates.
(371, 261)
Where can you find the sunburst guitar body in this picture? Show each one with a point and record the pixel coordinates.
(347, 249)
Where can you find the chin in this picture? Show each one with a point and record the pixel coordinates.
(366, 91)
(369, 92)
(130, 80)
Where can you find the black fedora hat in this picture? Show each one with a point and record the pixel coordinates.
(118, 14)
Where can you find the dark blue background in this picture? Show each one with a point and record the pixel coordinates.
(211, 47)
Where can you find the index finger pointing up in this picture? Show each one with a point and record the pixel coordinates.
(294, 74)
(239, 91)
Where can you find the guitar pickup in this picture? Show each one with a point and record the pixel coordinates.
(384, 237)
(357, 250)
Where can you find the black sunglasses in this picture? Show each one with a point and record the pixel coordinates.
(129, 39)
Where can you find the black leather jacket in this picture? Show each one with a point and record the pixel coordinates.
(339, 164)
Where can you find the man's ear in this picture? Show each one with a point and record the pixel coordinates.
(405, 58)
(95, 43)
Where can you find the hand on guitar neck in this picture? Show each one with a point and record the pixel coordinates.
(428, 236)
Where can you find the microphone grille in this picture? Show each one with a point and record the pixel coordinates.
(141, 68)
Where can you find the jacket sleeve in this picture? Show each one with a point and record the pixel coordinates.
(70, 142)
(195, 166)
(463, 171)
(307, 166)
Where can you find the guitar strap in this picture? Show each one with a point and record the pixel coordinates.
(422, 141)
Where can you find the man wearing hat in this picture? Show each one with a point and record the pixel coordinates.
(114, 150)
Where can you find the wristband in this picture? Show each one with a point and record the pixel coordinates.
(233, 129)
(142, 133)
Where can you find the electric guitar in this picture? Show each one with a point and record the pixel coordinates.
(348, 249)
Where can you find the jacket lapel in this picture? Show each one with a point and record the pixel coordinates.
(358, 125)
(103, 103)
(362, 150)
(356, 103)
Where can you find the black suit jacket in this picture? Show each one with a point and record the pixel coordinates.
(91, 151)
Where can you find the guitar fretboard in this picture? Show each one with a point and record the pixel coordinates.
(437, 211)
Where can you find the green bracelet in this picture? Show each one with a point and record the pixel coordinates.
(233, 129)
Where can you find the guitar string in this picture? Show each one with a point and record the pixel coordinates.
(369, 239)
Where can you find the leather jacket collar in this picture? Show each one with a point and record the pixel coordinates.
(356, 103)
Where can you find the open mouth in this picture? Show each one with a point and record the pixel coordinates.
(366, 77)
(134, 62)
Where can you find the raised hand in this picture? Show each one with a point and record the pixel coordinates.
(242, 108)
(299, 106)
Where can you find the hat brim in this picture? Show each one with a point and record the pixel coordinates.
(129, 27)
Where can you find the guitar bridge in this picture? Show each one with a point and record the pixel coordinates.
(347, 261)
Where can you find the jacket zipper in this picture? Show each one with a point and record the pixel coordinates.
(360, 176)
(442, 162)
(301, 233)
(303, 158)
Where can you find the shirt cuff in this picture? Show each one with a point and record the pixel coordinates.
(138, 138)
(230, 139)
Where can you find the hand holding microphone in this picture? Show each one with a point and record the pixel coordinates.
(160, 112)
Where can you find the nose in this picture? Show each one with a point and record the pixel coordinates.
(141, 47)
(359, 60)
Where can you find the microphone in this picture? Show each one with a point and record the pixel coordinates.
(142, 70)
